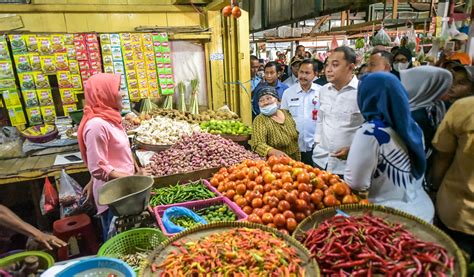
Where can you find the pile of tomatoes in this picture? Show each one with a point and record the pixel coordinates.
(281, 192)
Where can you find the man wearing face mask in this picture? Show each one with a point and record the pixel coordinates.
(402, 60)
(274, 130)
(302, 101)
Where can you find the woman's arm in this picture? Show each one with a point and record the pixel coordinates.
(10, 220)
(362, 161)
(441, 163)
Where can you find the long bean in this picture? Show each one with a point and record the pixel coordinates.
(180, 193)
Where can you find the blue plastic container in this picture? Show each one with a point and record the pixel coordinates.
(102, 263)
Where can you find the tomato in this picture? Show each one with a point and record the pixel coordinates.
(303, 187)
(273, 211)
(308, 212)
(316, 197)
(259, 212)
(303, 177)
(251, 163)
(320, 206)
(230, 194)
(247, 209)
(301, 205)
(324, 176)
(257, 203)
(364, 201)
(288, 186)
(268, 178)
(333, 180)
(291, 224)
(267, 218)
(278, 168)
(281, 193)
(253, 173)
(271, 225)
(290, 198)
(340, 189)
(348, 200)
(265, 199)
(266, 208)
(241, 202)
(230, 185)
(272, 160)
(214, 182)
(231, 169)
(295, 172)
(284, 231)
(259, 180)
(236, 197)
(232, 177)
(286, 177)
(221, 188)
(330, 200)
(329, 191)
(273, 202)
(241, 189)
(289, 214)
(299, 217)
(254, 219)
(283, 205)
(259, 188)
(251, 185)
(279, 220)
(222, 170)
(284, 160)
(304, 195)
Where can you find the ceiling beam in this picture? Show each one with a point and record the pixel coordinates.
(95, 8)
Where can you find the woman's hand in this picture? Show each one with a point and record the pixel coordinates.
(48, 241)
(144, 171)
(88, 191)
(277, 153)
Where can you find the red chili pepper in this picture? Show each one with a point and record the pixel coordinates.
(349, 264)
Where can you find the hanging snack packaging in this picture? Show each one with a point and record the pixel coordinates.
(104, 38)
(30, 98)
(67, 96)
(57, 44)
(34, 115)
(76, 81)
(116, 53)
(6, 70)
(18, 43)
(48, 64)
(49, 198)
(35, 61)
(61, 62)
(22, 63)
(109, 69)
(134, 94)
(27, 81)
(64, 79)
(69, 39)
(71, 52)
(4, 53)
(16, 115)
(74, 67)
(44, 44)
(45, 97)
(69, 108)
(7, 83)
(49, 114)
(11, 98)
(41, 80)
(115, 39)
(31, 43)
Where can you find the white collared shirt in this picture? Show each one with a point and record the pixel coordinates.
(339, 118)
(301, 105)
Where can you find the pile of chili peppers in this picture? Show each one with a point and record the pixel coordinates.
(237, 252)
(366, 245)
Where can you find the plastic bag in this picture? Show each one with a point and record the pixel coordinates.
(412, 41)
(69, 194)
(49, 198)
(381, 38)
(178, 212)
(334, 43)
(396, 42)
(10, 143)
(453, 31)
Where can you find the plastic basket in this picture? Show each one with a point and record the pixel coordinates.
(103, 264)
(197, 205)
(45, 260)
(126, 242)
(206, 183)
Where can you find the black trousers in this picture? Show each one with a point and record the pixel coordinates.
(307, 158)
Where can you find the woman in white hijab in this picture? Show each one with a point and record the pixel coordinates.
(425, 86)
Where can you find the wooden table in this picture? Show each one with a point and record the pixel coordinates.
(33, 168)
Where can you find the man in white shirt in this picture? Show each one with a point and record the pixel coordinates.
(302, 101)
(339, 116)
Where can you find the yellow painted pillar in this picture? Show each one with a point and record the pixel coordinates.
(243, 62)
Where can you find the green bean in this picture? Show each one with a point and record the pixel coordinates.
(180, 193)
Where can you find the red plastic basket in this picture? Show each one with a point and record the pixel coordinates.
(197, 205)
(207, 184)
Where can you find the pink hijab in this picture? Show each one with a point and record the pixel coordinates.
(100, 91)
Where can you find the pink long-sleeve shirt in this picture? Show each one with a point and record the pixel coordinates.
(108, 149)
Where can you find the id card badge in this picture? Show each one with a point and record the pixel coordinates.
(316, 106)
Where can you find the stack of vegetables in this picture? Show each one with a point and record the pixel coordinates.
(164, 131)
(280, 192)
(365, 245)
(196, 152)
(237, 252)
(195, 118)
(180, 193)
(225, 127)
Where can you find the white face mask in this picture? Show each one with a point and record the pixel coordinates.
(400, 66)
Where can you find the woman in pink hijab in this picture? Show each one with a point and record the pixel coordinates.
(102, 140)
